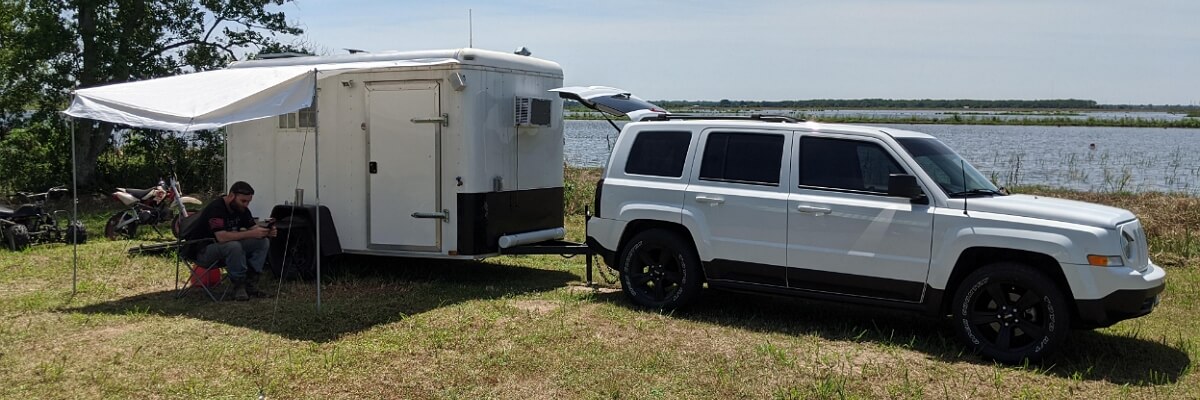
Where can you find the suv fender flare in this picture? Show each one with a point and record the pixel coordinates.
(1052, 245)
(633, 227)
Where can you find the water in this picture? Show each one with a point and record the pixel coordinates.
(1124, 159)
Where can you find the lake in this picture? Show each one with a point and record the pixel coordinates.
(1130, 159)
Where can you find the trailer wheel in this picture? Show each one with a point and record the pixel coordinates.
(18, 237)
(76, 233)
(659, 269)
(293, 254)
(129, 231)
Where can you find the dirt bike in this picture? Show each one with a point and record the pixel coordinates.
(150, 207)
(30, 223)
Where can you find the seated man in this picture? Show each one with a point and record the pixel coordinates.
(240, 243)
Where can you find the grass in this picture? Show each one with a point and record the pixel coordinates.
(524, 327)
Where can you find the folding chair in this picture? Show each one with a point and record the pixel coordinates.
(196, 272)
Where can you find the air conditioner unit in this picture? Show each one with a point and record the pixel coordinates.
(532, 112)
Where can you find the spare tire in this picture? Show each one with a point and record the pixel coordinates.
(18, 237)
(294, 254)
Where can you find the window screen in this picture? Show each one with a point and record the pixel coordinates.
(658, 153)
(846, 164)
(742, 157)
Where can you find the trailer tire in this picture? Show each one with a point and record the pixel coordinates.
(18, 237)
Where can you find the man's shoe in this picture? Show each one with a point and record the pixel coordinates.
(252, 287)
(254, 292)
(239, 292)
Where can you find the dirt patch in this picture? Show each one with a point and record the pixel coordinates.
(541, 307)
(597, 290)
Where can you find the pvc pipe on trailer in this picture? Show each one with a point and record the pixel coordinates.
(317, 179)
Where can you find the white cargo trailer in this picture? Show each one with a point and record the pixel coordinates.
(434, 160)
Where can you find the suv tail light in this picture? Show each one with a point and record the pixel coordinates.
(596, 201)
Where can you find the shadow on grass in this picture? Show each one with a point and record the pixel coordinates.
(368, 292)
(1088, 355)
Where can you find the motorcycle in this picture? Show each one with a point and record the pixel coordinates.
(30, 223)
(148, 207)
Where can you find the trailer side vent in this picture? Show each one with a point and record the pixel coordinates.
(532, 112)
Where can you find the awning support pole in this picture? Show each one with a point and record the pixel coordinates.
(74, 212)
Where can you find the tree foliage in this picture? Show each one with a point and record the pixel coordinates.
(48, 48)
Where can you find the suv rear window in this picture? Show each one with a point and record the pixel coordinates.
(846, 164)
(658, 153)
(742, 157)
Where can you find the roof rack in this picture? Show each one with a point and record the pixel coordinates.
(751, 117)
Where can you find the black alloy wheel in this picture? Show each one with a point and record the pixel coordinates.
(660, 270)
(1010, 313)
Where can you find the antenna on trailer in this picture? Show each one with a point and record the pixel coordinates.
(470, 30)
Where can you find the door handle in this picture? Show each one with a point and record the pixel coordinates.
(813, 209)
(443, 215)
(710, 199)
(444, 120)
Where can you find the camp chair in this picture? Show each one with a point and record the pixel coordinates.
(198, 275)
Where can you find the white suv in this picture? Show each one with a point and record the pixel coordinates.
(870, 215)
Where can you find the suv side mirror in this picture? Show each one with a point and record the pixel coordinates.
(904, 185)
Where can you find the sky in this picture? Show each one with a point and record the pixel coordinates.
(1113, 52)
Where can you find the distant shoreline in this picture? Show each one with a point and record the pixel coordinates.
(971, 119)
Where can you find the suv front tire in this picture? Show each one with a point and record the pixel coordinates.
(660, 270)
(1010, 312)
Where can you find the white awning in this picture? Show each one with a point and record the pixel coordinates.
(212, 99)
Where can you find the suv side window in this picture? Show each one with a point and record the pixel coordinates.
(752, 158)
(658, 153)
(846, 164)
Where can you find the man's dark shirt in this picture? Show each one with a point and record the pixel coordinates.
(216, 217)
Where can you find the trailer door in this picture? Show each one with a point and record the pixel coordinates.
(404, 126)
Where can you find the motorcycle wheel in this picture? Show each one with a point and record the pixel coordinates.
(76, 233)
(128, 231)
(18, 237)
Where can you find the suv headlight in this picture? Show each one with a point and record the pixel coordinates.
(1128, 244)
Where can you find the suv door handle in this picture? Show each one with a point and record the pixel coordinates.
(710, 199)
(813, 209)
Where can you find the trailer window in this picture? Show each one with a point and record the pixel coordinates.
(305, 118)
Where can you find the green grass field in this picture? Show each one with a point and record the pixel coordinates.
(525, 327)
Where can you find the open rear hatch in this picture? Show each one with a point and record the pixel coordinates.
(610, 100)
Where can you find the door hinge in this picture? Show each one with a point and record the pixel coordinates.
(444, 120)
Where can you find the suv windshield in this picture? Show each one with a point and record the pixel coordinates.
(952, 173)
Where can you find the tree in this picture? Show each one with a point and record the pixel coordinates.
(49, 48)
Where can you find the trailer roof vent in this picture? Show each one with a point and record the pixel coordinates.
(532, 112)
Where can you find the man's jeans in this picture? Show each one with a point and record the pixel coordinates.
(236, 254)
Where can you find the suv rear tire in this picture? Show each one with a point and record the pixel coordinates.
(660, 270)
(1010, 312)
